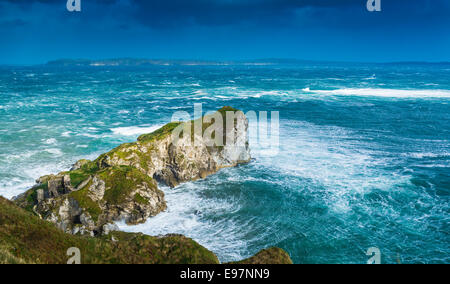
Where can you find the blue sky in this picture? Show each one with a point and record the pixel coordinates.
(35, 31)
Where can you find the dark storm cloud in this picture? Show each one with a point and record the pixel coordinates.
(54, 1)
(212, 29)
(179, 13)
(220, 12)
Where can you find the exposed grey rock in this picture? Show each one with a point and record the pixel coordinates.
(108, 228)
(97, 189)
(67, 184)
(55, 186)
(40, 195)
(186, 160)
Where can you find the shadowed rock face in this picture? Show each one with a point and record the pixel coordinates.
(193, 155)
(121, 184)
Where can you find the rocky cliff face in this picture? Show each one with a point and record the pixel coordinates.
(121, 184)
(87, 202)
(192, 155)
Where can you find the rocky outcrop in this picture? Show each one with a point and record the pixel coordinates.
(116, 193)
(121, 184)
(194, 155)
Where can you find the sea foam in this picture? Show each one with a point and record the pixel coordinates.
(390, 93)
(135, 130)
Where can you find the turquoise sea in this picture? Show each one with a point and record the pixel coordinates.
(364, 157)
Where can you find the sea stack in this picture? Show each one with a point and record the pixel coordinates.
(122, 184)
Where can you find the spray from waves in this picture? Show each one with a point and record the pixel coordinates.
(336, 165)
(189, 213)
(228, 93)
(389, 93)
(135, 130)
(24, 178)
(15, 180)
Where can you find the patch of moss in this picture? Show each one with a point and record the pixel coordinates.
(159, 134)
(90, 168)
(77, 177)
(29, 199)
(139, 199)
(83, 199)
(121, 181)
(122, 151)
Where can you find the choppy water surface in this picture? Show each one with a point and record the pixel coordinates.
(363, 161)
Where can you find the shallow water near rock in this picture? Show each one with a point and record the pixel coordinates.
(364, 158)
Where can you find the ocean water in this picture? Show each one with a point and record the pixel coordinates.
(363, 160)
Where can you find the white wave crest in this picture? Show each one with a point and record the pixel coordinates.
(390, 93)
(135, 130)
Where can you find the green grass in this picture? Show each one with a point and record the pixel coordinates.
(121, 181)
(77, 177)
(81, 196)
(159, 134)
(139, 199)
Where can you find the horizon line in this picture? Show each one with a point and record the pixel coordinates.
(228, 61)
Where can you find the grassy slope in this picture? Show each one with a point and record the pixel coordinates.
(24, 238)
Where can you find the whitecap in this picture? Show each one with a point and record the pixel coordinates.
(54, 151)
(391, 93)
(90, 135)
(135, 130)
(428, 155)
(25, 177)
(66, 134)
(51, 141)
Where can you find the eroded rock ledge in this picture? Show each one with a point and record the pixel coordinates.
(121, 184)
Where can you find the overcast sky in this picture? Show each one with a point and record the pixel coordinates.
(35, 31)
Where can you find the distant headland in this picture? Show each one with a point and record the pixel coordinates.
(133, 62)
(154, 62)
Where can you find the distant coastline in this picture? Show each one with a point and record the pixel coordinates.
(152, 62)
(141, 62)
(165, 62)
